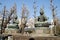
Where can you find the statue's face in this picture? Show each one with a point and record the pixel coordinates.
(41, 13)
(16, 18)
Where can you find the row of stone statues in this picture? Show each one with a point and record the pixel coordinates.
(42, 18)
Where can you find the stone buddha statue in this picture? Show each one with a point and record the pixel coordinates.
(42, 24)
(42, 17)
(12, 27)
(15, 22)
(42, 20)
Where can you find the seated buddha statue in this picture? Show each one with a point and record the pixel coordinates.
(42, 20)
(42, 17)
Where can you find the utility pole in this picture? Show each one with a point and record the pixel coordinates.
(24, 17)
(53, 14)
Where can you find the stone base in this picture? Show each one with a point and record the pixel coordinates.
(42, 30)
(36, 38)
(11, 30)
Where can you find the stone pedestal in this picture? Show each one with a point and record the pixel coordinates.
(42, 30)
(10, 30)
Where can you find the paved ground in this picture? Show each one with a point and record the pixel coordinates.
(35, 38)
(27, 37)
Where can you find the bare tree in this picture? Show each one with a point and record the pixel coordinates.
(55, 19)
(24, 17)
(35, 9)
(5, 20)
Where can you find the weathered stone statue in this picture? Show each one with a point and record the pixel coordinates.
(42, 20)
(42, 24)
(42, 17)
(13, 27)
(16, 22)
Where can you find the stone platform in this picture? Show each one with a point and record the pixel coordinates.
(42, 30)
(35, 38)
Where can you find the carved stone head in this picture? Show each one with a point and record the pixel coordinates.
(41, 11)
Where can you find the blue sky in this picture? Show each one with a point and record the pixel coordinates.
(29, 5)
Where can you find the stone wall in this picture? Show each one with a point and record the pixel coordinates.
(35, 38)
(42, 30)
(21, 38)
